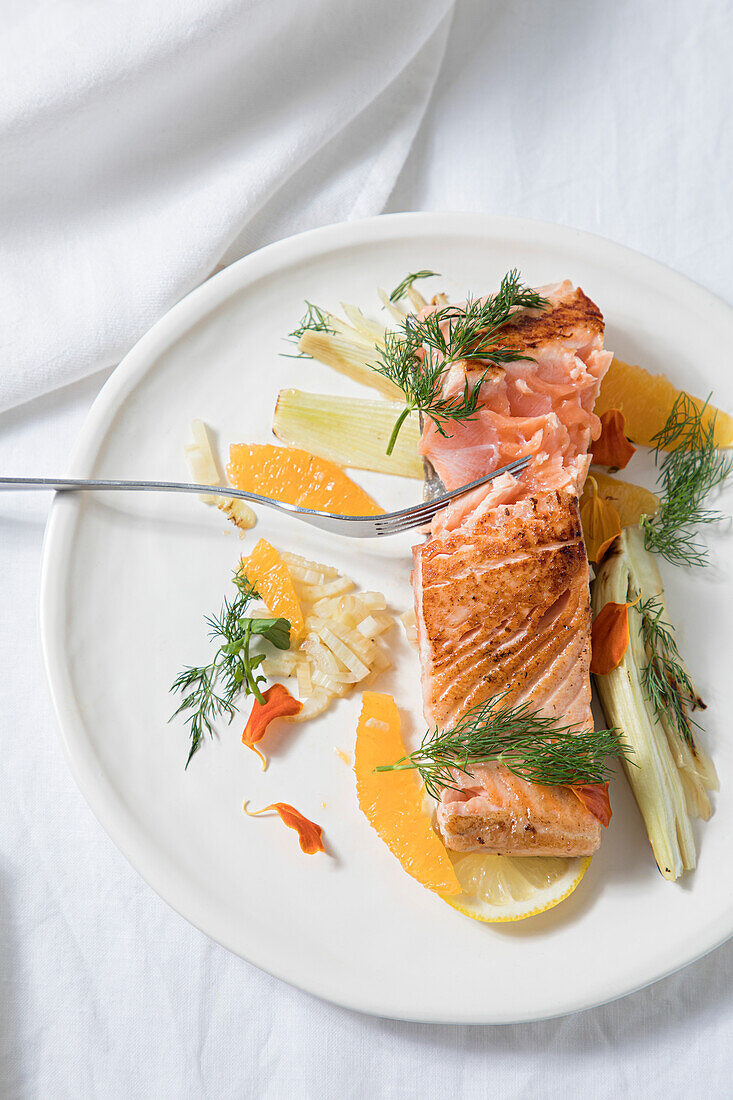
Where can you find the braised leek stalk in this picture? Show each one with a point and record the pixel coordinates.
(349, 431)
(668, 772)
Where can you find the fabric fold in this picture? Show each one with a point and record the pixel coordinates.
(178, 140)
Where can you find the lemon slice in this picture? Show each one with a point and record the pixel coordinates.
(510, 888)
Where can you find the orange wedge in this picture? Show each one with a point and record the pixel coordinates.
(630, 501)
(269, 574)
(297, 477)
(646, 401)
(393, 801)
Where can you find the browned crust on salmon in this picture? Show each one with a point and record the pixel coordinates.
(555, 824)
(571, 315)
(504, 607)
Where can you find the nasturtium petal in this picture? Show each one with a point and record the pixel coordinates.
(612, 448)
(595, 797)
(310, 835)
(609, 638)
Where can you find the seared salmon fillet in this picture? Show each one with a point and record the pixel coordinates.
(503, 606)
(501, 587)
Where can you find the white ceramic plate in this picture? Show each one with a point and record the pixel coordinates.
(127, 580)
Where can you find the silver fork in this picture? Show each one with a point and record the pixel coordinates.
(360, 527)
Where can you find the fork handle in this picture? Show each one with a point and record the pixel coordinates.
(61, 483)
(313, 516)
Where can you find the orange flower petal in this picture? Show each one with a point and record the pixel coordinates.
(279, 703)
(612, 448)
(604, 548)
(610, 637)
(601, 522)
(309, 834)
(595, 798)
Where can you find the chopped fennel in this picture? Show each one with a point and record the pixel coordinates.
(341, 647)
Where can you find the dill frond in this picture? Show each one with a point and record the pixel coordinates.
(665, 679)
(409, 280)
(416, 356)
(533, 746)
(314, 319)
(209, 690)
(687, 474)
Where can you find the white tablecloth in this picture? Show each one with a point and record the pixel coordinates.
(608, 117)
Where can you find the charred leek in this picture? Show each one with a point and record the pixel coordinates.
(670, 774)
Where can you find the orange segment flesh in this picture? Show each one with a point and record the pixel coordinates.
(630, 501)
(646, 401)
(269, 574)
(297, 477)
(393, 801)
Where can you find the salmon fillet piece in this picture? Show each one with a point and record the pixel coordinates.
(501, 588)
(503, 606)
(500, 813)
(541, 406)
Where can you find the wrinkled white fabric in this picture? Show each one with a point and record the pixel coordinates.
(610, 117)
(142, 144)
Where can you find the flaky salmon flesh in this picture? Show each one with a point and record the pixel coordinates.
(541, 406)
(502, 586)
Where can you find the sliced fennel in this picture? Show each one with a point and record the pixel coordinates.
(349, 348)
(349, 431)
(201, 460)
(669, 777)
(348, 356)
(204, 470)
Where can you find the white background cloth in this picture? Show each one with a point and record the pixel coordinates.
(141, 146)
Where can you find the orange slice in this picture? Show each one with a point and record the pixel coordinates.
(646, 401)
(297, 477)
(269, 574)
(630, 501)
(393, 801)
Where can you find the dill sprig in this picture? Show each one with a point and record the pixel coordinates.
(416, 356)
(209, 690)
(665, 679)
(401, 289)
(530, 744)
(693, 467)
(314, 319)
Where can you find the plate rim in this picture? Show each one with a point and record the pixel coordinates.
(128, 837)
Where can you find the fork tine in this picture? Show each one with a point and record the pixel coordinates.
(407, 519)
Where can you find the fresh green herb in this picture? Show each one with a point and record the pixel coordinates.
(401, 289)
(209, 691)
(530, 744)
(314, 319)
(416, 356)
(693, 467)
(665, 679)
